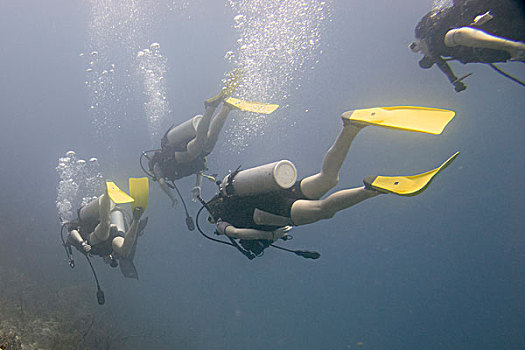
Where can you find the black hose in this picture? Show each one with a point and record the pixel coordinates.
(143, 155)
(67, 248)
(507, 75)
(232, 242)
(100, 294)
(202, 232)
(189, 219)
(307, 254)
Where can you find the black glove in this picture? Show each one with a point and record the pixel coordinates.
(459, 86)
(220, 227)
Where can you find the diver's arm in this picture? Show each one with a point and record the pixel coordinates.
(159, 175)
(445, 68)
(229, 230)
(165, 188)
(74, 238)
(248, 233)
(196, 190)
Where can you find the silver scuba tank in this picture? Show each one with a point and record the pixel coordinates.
(261, 179)
(118, 219)
(90, 211)
(180, 135)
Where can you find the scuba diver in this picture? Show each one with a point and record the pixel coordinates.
(103, 228)
(472, 31)
(184, 148)
(256, 207)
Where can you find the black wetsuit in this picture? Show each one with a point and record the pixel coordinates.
(239, 210)
(85, 228)
(508, 22)
(164, 164)
(173, 170)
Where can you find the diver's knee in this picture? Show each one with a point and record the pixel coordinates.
(458, 36)
(325, 212)
(329, 181)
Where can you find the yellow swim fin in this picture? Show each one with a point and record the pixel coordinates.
(405, 185)
(254, 107)
(116, 194)
(139, 190)
(421, 119)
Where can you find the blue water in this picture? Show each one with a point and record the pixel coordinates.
(442, 270)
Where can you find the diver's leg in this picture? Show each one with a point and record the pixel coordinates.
(261, 217)
(101, 232)
(196, 145)
(124, 245)
(477, 38)
(308, 211)
(215, 128)
(315, 186)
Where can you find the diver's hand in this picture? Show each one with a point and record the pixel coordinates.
(459, 86)
(196, 192)
(221, 226)
(85, 246)
(280, 232)
(137, 213)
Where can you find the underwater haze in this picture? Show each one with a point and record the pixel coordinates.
(105, 79)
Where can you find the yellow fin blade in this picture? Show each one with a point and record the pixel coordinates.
(254, 107)
(420, 119)
(409, 185)
(116, 194)
(139, 190)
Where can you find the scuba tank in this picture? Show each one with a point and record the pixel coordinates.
(89, 215)
(261, 179)
(179, 136)
(90, 211)
(117, 218)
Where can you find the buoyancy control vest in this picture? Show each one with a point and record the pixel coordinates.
(85, 228)
(508, 22)
(172, 169)
(237, 210)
